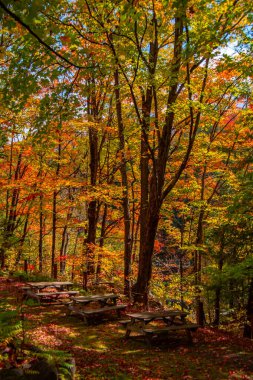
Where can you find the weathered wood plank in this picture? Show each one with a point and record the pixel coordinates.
(103, 309)
(151, 332)
(125, 322)
(50, 294)
(160, 330)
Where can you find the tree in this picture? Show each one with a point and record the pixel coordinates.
(154, 62)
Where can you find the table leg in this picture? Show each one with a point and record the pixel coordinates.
(135, 325)
(148, 339)
(118, 313)
(128, 332)
(128, 328)
(85, 319)
(169, 320)
(189, 335)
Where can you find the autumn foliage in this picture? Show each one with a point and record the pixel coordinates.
(126, 146)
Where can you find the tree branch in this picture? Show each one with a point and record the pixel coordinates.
(27, 27)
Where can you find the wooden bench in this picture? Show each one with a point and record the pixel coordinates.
(89, 313)
(22, 292)
(25, 288)
(49, 296)
(152, 331)
(125, 322)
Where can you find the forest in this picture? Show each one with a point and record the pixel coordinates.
(126, 149)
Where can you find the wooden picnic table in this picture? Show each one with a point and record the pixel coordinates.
(49, 291)
(107, 302)
(37, 286)
(102, 299)
(171, 320)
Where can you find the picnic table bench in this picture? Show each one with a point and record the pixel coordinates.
(107, 303)
(154, 331)
(48, 292)
(90, 313)
(22, 292)
(51, 296)
(174, 320)
(38, 286)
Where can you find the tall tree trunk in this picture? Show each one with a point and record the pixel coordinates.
(141, 288)
(216, 321)
(92, 207)
(249, 311)
(149, 211)
(22, 240)
(144, 164)
(125, 185)
(197, 269)
(11, 211)
(90, 241)
(63, 249)
(74, 253)
(54, 223)
(156, 194)
(65, 237)
(54, 217)
(101, 241)
(181, 268)
(41, 227)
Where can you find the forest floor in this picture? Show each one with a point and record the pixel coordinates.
(101, 352)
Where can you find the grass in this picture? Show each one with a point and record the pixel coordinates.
(101, 352)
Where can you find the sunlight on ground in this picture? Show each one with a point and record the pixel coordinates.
(101, 352)
(130, 352)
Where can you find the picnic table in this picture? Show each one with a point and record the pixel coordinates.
(61, 285)
(169, 320)
(106, 302)
(49, 291)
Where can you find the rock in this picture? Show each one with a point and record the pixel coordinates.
(40, 369)
(11, 374)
